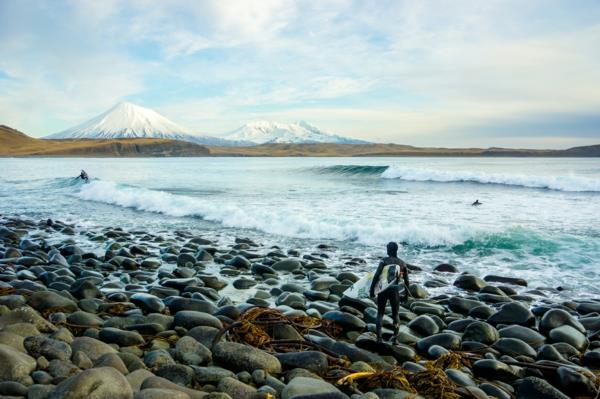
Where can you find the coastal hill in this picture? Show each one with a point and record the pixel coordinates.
(16, 143)
(393, 150)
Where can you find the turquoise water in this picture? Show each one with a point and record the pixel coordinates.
(539, 219)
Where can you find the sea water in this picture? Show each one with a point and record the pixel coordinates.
(540, 218)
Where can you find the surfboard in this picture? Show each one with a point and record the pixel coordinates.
(361, 288)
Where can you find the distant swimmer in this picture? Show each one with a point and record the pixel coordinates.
(83, 175)
(476, 203)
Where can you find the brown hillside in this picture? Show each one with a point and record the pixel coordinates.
(15, 143)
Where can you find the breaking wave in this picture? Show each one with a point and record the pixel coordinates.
(559, 183)
(351, 170)
(273, 221)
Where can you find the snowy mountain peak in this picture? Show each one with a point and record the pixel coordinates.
(265, 132)
(125, 120)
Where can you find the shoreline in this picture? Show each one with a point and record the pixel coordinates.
(173, 313)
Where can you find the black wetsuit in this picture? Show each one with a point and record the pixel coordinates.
(390, 293)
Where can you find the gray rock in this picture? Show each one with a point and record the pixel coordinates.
(469, 282)
(241, 357)
(576, 384)
(191, 352)
(137, 377)
(103, 382)
(161, 383)
(43, 301)
(310, 360)
(91, 347)
(445, 340)
(528, 335)
(158, 393)
(480, 331)
(303, 387)
(496, 370)
(514, 347)
(558, 317)
(236, 389)
(156, 358)
(20, 364)
(120, 337)
(460, 378)
(211, 374)
(178, 373)
(347, 321)
(570, 335)
(189, 319)
(536, 388)
(513, 313)
(287, 265)
(424, 325)
(49, 348)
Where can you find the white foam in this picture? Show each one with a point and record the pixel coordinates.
(280, 221)
(560, 183)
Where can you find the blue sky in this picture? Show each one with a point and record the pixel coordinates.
(448, 73)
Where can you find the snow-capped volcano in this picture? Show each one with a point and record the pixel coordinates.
(265, 132)
(127, 120)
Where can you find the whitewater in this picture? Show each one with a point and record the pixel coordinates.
(539, 219)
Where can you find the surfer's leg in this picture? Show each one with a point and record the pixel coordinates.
(381, 302)
(395, 303)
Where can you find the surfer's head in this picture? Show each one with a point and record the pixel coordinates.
(392, 249)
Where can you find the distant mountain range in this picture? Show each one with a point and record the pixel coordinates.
(16, 144)
(127, 120)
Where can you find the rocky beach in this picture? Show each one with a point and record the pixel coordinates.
(109, 313)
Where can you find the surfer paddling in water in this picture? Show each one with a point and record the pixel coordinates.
(386, 286)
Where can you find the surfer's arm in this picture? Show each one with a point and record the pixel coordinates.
(375, 279)
(405, 275)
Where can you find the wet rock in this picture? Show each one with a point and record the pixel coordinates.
(162, 383)
(157, 358)
(347, 321)
(462, 305)
(25, 317)
(507, 280)
(287, 265)
(513, 313)
(191, 352)
(424, 325)
(242, 357)
(120, 337)
(528, 335)
(575, 383)
(137, 377)
(480, 331)
(445, 268)
(20, 364)
(103, 382)
(556, 318)
(199, 305)
(495, 370)
(303, 387)
(514, 347)
(536, 388)
(469, 282)
(43, 301)
(111, 360)
(85, 288)
(445, 340)
(93, 348)
(570, 335)
(460, 378)
(189, 319)
(148, 302)
(157, 393)
(311, 360)
(12, 388)
(239, 262)
(323, 283)
(211, 375)
(50, 348)
(592, 358)
(236, 389)
(178, 373)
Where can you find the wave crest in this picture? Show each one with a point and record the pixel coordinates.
(559, 183)
(351, 170)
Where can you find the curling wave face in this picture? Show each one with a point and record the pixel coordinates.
(560, 183)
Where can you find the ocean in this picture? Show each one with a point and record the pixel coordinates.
(540, 218)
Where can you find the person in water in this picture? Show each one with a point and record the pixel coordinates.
(476, 203)
(83, 175)
(390, 293)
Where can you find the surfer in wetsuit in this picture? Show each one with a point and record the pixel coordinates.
(83, 175)
(476, 203)
(391, 292)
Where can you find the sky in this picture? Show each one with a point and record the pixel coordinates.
(431, 73)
